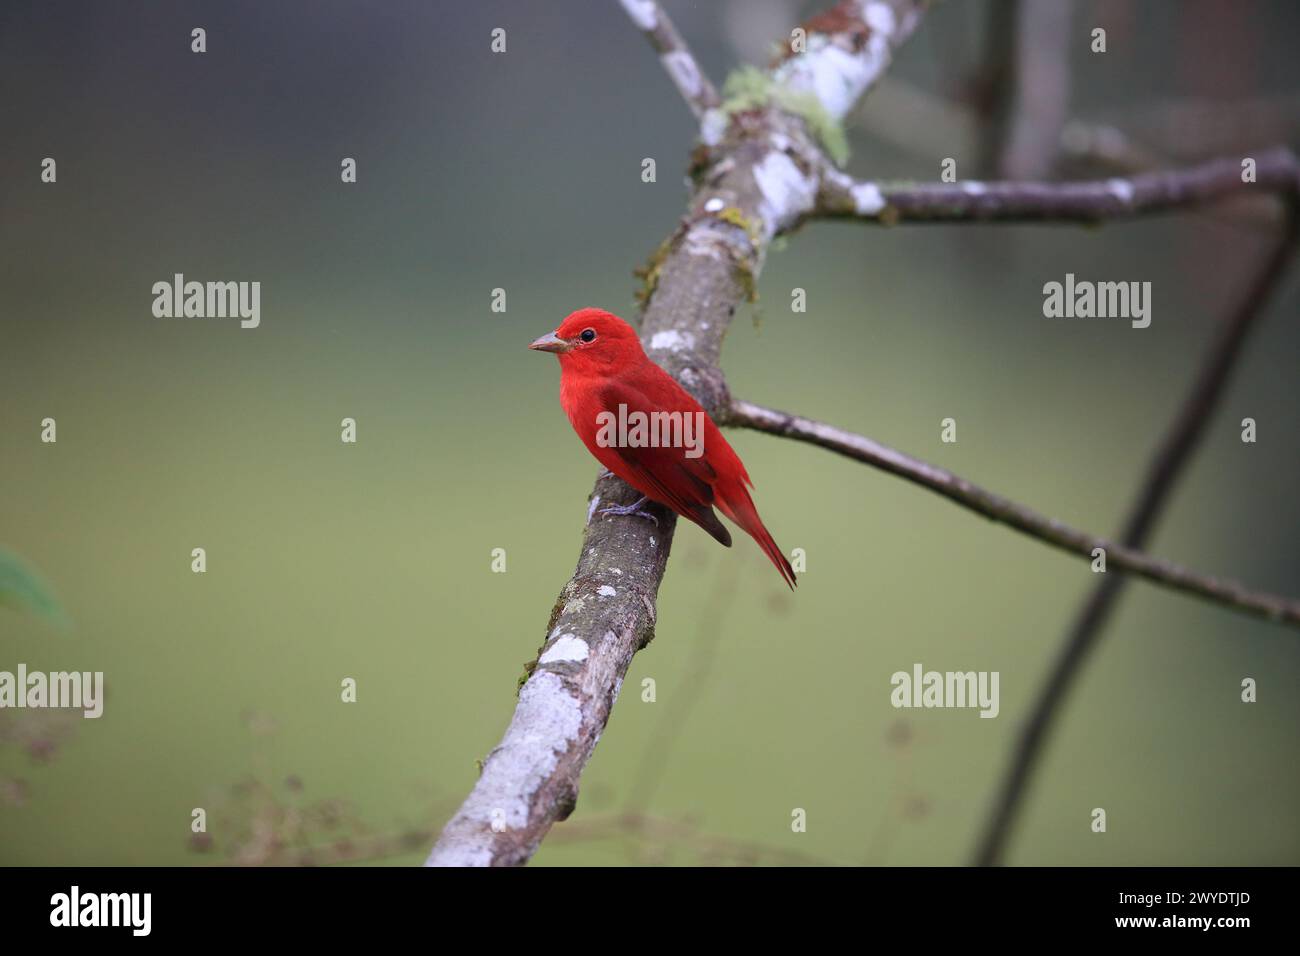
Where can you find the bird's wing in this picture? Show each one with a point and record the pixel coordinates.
(683, 483)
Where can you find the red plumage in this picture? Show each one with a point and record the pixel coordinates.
(604, 373)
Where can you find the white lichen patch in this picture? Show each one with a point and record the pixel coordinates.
(681, 67)
(780, 141)
(618, 571)
(703, 246)
(642, 13)
(591, 509)
(867, 199)
(1121, 189)
(713, 126)
(787, 191)
(672, 341)
(714, 205)
(833, 75)
(569, 649)
(606, 591)
(880, 18)
(546, 724)
(836, 76)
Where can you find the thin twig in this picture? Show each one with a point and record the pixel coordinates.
(676, 57)
(843, 198)
(1119, 556)
(1164, 469)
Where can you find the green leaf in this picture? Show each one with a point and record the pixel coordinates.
(23, 589)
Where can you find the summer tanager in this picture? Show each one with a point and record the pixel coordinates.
(680, 459)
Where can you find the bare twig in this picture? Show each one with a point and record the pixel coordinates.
(1102, 146)
(757, 178)
(1121, 556)
(843, 198)
(676, 57)
(1164, 469)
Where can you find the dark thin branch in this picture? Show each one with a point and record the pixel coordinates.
(1037, 103)
(843, 198)
(1180, 441)
(674, 54)
(1091, 147)
(1119, 556)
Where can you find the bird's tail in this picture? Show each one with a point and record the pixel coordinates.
(737, 505)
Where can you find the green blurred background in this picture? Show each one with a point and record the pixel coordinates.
(372, 561)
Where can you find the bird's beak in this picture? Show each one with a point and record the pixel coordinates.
(550, 342)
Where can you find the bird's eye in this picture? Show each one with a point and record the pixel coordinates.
(588, 335)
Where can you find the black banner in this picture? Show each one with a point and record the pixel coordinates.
(212, 905)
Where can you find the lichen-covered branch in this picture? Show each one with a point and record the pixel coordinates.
(678, 61)
(1120, 555)
(756, 174)
(841, 197)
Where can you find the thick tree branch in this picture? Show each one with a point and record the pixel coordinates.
(674, 54)
(1119, 556)
(843, 198)
(757, 176)
(1180, 441)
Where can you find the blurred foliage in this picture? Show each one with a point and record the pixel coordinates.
(23, 589)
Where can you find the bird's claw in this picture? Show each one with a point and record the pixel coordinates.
(633, 509)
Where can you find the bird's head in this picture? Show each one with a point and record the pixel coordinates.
(591, 340)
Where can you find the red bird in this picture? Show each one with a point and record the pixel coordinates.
(645, 428)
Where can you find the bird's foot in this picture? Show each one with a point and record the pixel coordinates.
(633, 509)
(605, 473)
